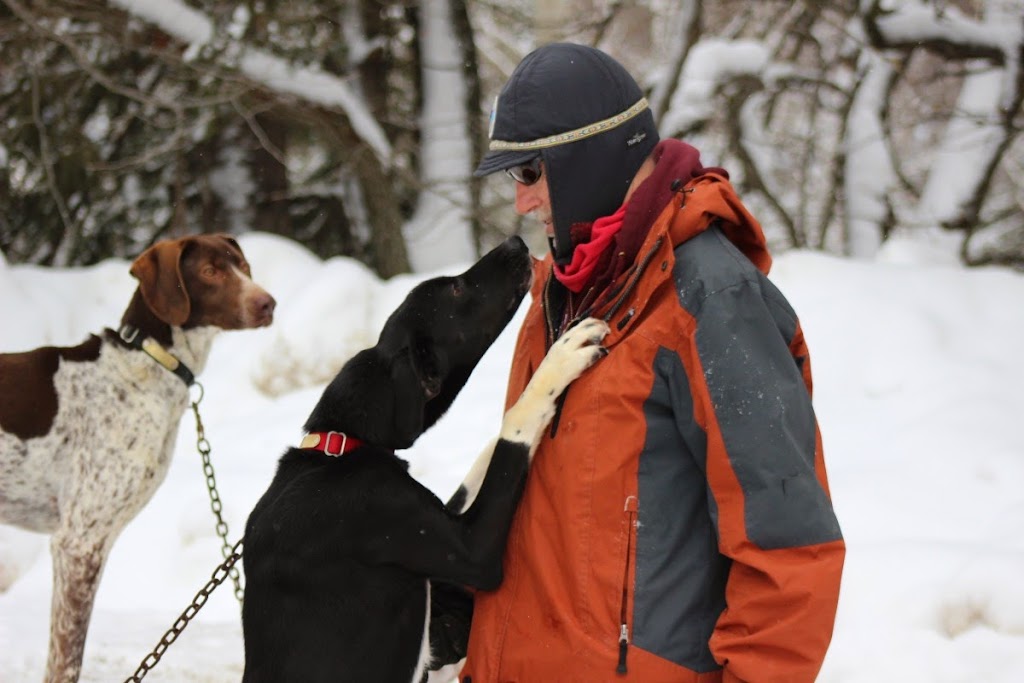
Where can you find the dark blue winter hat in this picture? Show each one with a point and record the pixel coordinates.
(580, 111)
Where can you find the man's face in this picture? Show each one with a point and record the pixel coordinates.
(534, 200)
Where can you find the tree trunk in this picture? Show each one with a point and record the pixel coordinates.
(439, 234)
(269, 174)
(474, 117)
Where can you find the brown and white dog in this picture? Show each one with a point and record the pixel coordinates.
(87, 432)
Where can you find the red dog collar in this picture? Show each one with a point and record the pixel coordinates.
(330, 443)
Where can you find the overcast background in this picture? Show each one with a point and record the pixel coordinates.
(878, 141)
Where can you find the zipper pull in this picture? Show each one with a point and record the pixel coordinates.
(623, 646)
(626, 318)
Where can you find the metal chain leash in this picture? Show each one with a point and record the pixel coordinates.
(219, 574)
(203, 446)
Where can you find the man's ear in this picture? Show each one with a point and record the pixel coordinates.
(158, 270)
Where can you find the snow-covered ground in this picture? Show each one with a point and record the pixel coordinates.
(919, 388)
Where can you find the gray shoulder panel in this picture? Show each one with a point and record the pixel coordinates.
(706, 264)
(744, 326)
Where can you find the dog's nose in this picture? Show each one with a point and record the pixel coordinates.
(263, 307)
(515, 243)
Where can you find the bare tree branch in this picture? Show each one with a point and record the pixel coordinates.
(46, 157)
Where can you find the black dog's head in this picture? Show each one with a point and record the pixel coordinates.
(390, 394)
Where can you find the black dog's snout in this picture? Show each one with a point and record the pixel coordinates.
(515, 242)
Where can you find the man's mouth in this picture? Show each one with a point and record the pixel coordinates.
(549, 226)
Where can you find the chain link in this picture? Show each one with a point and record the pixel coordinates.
(227, 568)
(219, 574)
(203, 446)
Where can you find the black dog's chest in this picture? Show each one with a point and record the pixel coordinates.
(310, 537)
(345, 500)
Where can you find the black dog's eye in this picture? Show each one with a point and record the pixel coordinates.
(456, 288)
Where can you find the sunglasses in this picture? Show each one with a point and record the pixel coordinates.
(528, 173)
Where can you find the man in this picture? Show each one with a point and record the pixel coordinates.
(676, 525)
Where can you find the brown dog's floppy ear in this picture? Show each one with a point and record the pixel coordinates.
(230, 239)
(158, 270)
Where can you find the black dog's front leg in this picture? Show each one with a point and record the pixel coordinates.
(468, 549)
(451, 612)
(451, 606)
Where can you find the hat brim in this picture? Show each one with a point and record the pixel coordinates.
(504, 159)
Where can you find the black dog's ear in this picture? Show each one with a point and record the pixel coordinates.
(417, 377)
(409, 401)
(426, 366)
(383, 397)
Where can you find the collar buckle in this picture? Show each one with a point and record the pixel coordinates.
(321, 441)
(128, 334)
(327, 443)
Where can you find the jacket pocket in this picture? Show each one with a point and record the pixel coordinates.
(630, 511)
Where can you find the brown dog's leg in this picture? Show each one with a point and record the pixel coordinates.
(76, 574)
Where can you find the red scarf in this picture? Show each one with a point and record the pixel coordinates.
(607, 248)
(586, 257)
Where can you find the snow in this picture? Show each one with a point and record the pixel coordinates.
(917, 388)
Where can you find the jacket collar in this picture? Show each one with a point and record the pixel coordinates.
(679, 200)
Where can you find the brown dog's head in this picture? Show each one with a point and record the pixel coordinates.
(202, 280)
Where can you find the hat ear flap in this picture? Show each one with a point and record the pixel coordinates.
(158, 270)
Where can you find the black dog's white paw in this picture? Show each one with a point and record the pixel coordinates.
(574, 352)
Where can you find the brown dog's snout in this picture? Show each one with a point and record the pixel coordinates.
(262, 306)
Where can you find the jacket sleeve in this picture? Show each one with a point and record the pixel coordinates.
(768, 491)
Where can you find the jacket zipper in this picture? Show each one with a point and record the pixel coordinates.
(553, 327)
(632, 284)
(631, 510)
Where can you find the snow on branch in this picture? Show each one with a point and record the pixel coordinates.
(950, 33)
(311, 84)
(976, 139)
(998, 39)
(711, 62)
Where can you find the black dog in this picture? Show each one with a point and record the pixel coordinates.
(355, 570)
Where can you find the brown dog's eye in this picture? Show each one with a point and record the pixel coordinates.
(209, 271)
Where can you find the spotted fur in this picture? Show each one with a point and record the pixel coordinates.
(87, 432)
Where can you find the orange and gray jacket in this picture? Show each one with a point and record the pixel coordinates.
(678, 526)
